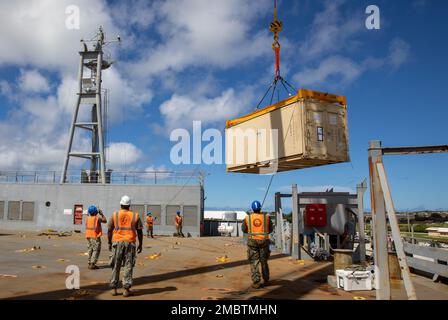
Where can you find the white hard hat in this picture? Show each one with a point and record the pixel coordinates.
(125, 201)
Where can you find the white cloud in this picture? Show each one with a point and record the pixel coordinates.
(331, 31)
(153, 168)
(163, 173)
(122, 155)
(125, 99)
(35, 135)
(38, 36)
(204, 33)
(338, 70)
(34, 147)
(139, 13)
(191, 33)
(33, 81)
(398, 53)
(180, 111)
(5, 89)
(327, 53)
(343, 68)
(35, 131)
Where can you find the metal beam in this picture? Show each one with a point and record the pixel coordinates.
(86, 123)
(278, 225)
(393, 221)
(428, 266)
(100, 119)
(360, 190)
(380, 250)
(84, 154)
(72, 127)
(283, 235)
(428, 252)
(295, 239)
(415, 150)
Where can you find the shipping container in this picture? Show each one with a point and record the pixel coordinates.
(306, 130)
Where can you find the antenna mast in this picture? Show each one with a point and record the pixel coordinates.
(91, 66)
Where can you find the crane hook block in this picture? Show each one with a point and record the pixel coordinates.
(276, 26)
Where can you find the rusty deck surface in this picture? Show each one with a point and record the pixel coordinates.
(187, 269)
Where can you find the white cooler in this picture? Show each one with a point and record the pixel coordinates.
(354, 281)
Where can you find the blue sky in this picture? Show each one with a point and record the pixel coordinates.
(211, 60)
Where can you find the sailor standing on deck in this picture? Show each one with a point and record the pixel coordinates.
(258, 226)
(149, 224)
(179, 221)
(124, 228)
(93, 235)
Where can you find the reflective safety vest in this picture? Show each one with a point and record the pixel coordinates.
(149, 221)
(93, 227)
(178, 220)
(257, 224)
(125, 226)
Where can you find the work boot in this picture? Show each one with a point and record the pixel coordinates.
(94, 267)
(114, 292)
(127, 293)
(90, 266)
(256, 285)
(265, 282)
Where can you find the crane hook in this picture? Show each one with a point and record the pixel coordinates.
(276, 27)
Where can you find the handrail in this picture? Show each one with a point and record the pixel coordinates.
(113, 177)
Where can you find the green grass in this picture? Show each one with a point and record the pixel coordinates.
(421, 228)
(423, 235)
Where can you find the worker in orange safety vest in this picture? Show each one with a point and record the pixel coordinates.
(123, 230)
(149, 224)
(258, 226)
(178, 221)
(93, 235)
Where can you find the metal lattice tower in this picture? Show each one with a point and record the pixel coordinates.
(91, 66)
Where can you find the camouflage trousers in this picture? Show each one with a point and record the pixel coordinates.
(179, 231)
(123, 254)
(94, 249)
(258, 253)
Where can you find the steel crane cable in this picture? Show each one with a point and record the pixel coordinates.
(274, 174)
(276, 27)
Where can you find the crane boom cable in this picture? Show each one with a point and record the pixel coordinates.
(276, 27)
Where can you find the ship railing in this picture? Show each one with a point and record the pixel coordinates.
(112, 177)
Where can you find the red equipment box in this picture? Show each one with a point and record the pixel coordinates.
(316, 215)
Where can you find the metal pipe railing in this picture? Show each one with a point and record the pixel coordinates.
(115, 177)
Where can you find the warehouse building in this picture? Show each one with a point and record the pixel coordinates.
(437, 232)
